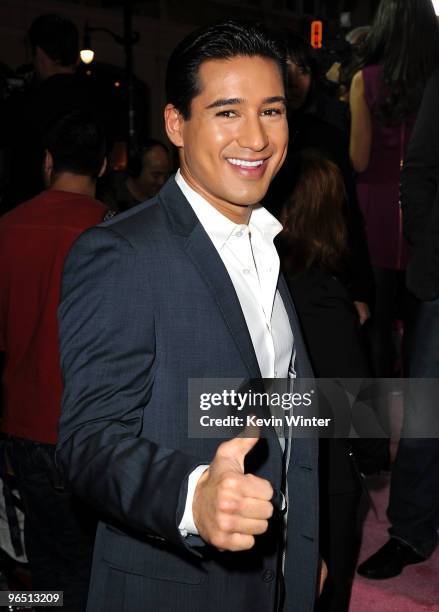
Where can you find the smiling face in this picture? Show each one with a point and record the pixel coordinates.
(236, 138)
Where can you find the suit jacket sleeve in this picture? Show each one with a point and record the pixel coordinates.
(107, 342)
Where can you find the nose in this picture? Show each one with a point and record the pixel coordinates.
(253, 135)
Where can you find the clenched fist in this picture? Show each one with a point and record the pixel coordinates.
(230, 508)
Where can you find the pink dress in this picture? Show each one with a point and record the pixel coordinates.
(378, 186)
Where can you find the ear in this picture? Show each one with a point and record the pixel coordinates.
(41, 63)
(103, 168)
(40, 56)
(174, 123)
(38, 53)
(48, 164)
(47, 168)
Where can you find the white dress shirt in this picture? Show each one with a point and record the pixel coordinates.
(252, 262)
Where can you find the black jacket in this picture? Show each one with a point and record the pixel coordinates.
(420, 197)
(332, 335)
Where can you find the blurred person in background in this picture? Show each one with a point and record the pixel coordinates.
(35, 238)
(414, 493)
(339, 72)
(318, 121)
(56, 89)
(309, 91)
(314, 251)
(357, 35)
(390, 72)
(148, 170)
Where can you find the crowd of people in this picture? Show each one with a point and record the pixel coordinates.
(262, 256)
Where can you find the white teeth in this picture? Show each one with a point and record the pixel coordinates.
(246, 164)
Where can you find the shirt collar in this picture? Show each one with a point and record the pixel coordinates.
(218, 227)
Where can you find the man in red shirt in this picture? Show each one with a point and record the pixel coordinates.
(34, 240)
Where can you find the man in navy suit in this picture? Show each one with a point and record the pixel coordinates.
(187, 286)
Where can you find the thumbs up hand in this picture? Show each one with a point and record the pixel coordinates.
(230, 507)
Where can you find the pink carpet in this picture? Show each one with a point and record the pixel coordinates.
(415, 590)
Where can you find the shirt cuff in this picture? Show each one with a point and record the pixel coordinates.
(187, 525)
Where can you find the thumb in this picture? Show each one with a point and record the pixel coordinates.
(237, 448)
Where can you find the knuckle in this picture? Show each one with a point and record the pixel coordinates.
(249, 543)
(229, 482)
(226, 504)
(219, 541)
(251, 479)
(225, 524)
(222, 451)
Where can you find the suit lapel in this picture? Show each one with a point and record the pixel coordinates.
(205, 257)
(199, 248)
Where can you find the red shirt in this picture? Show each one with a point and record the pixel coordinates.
(34, 241)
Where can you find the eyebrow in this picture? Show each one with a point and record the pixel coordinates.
(234, 101)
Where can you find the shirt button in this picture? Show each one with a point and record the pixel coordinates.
(238, 234)
(246, 271)
(268, 575)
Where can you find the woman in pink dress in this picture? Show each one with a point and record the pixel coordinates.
(391, 70)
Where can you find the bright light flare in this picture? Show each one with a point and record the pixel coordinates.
(87, 55)
(436, 7)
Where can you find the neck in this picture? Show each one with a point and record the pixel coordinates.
(239, 214)
(74, 183)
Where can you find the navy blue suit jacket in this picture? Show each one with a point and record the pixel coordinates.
(146, 305)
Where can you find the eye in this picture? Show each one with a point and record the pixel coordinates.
(272, 112)
(229, 114)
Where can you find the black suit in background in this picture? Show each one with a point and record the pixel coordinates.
(332, 333)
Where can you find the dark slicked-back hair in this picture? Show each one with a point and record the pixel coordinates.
(224, 40)
(57, 36)
(76, 142)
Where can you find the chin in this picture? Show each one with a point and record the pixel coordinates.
(251, 198)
